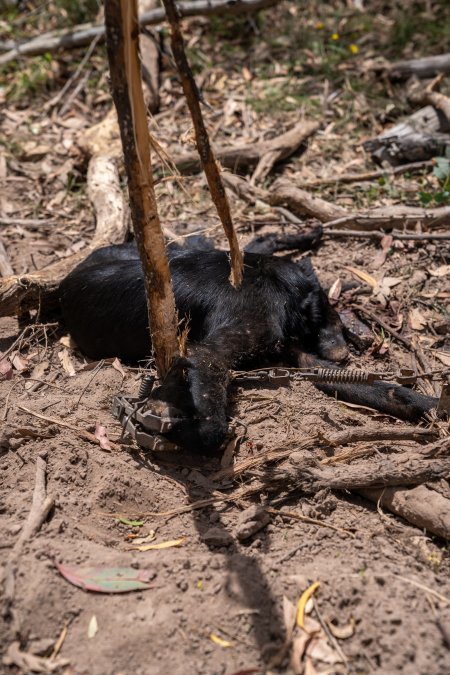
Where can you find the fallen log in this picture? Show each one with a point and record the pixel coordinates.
(83, 34)
(423, 68)
(421, 506)
(22, 292)
(418, 138)
(262, 155)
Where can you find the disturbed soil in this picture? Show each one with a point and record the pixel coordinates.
(217, 603)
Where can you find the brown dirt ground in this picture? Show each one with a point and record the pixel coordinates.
(384, 583)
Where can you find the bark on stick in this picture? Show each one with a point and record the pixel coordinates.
(207, 158)
(122, 36)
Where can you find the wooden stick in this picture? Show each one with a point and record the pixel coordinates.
(122, 41)
(80, 432)
(205, 151)
(83, 34)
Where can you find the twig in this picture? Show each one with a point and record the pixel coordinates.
(26, 222)
(307, 519)
(404, 341)
(81, 432)
(56, 99)
(402, 236)
(332, 640)
(369, 175)
(41, 506)
(205, 151)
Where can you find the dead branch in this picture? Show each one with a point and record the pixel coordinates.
(81, 35)
(205, 151)
(396, 215)
(388, 433)
(419, 137)
(401, 236)
(122, 42)
(423, 68)
(421, 506)
(40, 289)
(439, 101)
(304, 473)
(262, 155)
(368, 175)
(41, 506)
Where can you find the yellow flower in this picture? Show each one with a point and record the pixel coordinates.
(320, 25)
(335, 36)
(354, 49)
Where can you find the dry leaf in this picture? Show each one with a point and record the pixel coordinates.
(67, 341)
(364, 276)
(93, 627)
(380, 257)
(301, 604)
(342, 632)
(101, 434)
(118, 366)
(66, 362)
(151, 536)
(19, 362)
(289, 615)
(335, 291)
(157, 547)
(36, 374)
(417, 321)
(441, 271)
(6, 369)
(382, 290)
(220, 641)
(444, 357)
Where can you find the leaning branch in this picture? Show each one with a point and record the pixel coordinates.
(204, 148)
(84, 34)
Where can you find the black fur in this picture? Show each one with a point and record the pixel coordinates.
(279, 310)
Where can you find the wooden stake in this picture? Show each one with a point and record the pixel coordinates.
(122, 41)
(205, 151)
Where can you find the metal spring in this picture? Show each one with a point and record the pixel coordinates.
(338, 376)
(146, 386)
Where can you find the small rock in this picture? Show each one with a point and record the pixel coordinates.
(216, 536)
(251, 521)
